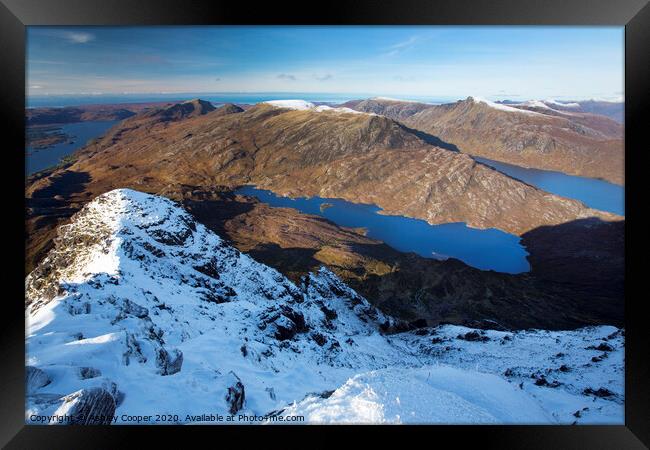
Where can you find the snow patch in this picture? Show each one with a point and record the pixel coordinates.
(534, 104)
(425, 395)
(501, 107)
(565, 105)
(302, 105)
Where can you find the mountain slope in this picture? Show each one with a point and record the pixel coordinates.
(358, 157)
(395, 109)
(139, 310)
(180, 111)
(578, 144)
(46, 116)
(228, 108)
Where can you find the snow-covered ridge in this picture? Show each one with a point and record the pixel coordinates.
(501, 107)
(302, 105)
(550, 101)
(534, 104)
(139, 310)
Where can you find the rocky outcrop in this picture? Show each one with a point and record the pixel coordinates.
(169, 363)
(35, 378)
(92, 316)
(236, 394)
(95, 406)
(89, 372)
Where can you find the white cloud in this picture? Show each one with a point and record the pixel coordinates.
(401, 46)
(78, 37)
(286, 76)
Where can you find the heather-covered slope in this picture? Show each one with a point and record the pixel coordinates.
(139, 310)
(331, 153)
(393, 108)
(530, 136)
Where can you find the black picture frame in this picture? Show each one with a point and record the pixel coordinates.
(16, 14)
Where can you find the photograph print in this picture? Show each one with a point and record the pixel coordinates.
(231, 225)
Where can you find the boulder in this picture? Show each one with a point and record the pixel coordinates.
(35, 378)
(169, 363)
(235, 394)
(95, 406)
(89, 372)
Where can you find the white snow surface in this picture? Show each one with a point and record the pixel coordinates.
(302, 105)
(502, 107)
(535, 104)
(138, 282)
(551, 101)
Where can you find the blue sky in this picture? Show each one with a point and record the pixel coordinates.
(492, 62)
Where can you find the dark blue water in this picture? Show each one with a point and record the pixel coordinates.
(79, 134)
(594, 193)
(489, 249)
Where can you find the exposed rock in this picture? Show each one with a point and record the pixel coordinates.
(169, 363)
(89, 372)
(602, 347)
(288, 323)
(35, 378)
(543, 382)
(319, 339)
(235, 395)
(94, 406)
(600, 392)
(473, 336)
(132, 308)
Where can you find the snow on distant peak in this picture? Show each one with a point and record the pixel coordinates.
(302, 105)
(501, 107)
(565, 105)
(535, 104)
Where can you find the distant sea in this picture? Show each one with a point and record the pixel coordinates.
(216, 98)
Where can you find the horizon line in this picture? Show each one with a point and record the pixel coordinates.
(357, 95)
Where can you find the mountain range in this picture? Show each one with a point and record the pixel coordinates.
(550, 136)
(197, 154)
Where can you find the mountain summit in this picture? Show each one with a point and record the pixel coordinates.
(179, 111)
